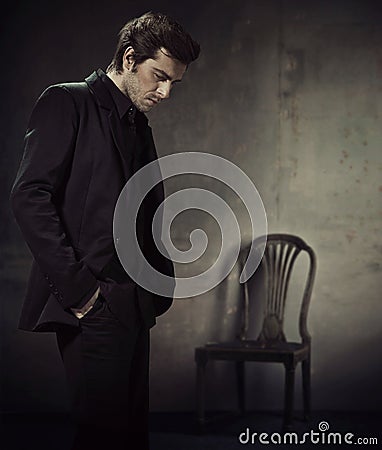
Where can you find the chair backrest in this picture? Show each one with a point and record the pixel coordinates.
(279, 257)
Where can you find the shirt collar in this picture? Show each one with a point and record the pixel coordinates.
(122, 102)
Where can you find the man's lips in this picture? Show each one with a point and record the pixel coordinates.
(154, 100)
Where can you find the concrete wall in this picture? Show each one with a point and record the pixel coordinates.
(291, 92)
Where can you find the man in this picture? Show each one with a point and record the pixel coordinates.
(83, 142)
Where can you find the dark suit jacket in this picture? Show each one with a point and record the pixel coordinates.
(76, 161)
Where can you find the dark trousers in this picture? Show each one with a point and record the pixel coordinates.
(107, 370)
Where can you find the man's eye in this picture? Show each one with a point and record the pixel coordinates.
(159, 77)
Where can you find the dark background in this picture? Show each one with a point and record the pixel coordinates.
(291, 92)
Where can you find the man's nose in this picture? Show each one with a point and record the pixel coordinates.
(164, 89)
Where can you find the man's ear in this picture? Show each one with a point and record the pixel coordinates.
(128, 59)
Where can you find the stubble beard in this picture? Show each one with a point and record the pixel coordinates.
(133, 91)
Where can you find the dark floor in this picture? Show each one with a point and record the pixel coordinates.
(177, 431)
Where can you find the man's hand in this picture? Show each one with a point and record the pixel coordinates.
(80, 313)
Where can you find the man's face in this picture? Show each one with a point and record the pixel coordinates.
(150, 82)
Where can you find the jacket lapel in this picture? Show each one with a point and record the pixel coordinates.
(105, 101)
(122, 137)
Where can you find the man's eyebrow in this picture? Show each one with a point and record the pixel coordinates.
(166, 75)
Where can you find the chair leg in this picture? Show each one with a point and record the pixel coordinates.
(240, 380)
(200, 392)
(306, 389)
(289, 397)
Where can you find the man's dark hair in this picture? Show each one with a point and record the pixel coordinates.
(147, 34)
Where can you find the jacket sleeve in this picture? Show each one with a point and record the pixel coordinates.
(48, 152)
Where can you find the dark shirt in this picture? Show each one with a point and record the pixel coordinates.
(127, 113)
(122, 102)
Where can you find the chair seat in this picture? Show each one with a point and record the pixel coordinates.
(255, 351)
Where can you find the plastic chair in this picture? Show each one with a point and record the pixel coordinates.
(271, 345)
